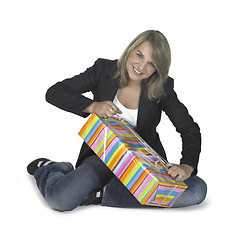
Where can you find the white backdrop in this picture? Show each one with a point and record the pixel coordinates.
(43, 42)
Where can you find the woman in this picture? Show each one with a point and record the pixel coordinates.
(137, 88)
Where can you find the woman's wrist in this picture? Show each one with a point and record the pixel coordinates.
(90, 108)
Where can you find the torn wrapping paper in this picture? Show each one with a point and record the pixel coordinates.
(132, 160)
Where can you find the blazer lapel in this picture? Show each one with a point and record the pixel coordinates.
(110, 90)
(145, 108)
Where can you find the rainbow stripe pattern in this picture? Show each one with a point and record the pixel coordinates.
(134, 162)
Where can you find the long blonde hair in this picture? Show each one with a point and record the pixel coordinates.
(161, 55)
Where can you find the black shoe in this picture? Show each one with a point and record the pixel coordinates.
(94, 197)
(33, 166)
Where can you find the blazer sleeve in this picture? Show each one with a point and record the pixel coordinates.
(185, 125)
(67, 94)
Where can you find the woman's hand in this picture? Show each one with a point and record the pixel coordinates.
(103, 109)
(180, 172)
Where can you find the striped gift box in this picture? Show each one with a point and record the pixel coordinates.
(134, 162)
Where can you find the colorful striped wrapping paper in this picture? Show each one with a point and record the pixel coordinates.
(134, 162)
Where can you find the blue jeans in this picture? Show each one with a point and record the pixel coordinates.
(65, 188)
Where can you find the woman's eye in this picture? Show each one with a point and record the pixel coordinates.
(139, 55)
(151, 64)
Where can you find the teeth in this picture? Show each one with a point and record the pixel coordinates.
(136, 71)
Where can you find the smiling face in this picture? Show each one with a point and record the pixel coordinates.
(139, 63)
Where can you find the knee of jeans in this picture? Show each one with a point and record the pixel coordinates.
(60, 202)
(201, 191)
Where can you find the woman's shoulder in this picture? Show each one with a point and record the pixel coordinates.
(168, 88)
(104, 66)
(106, 62)
(169, 85)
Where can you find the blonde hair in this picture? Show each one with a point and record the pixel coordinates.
(161, 56)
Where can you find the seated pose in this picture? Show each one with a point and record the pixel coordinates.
(137, 88)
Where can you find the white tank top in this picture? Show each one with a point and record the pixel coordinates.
(130, 115)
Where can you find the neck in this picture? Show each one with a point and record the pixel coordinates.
(134, 84)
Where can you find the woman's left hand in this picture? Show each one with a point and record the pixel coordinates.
(179, 172)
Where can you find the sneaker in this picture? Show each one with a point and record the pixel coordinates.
(94, 197)
(33, 166)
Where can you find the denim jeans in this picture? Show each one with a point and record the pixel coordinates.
(65, 188)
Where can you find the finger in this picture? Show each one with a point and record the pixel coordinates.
(118, 110)
(114, 109)
(103, 109)
(110, 112)
(172, 168)
(174, 173)
(178, 178)
(169, 165)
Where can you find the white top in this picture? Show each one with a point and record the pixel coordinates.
(130, 115)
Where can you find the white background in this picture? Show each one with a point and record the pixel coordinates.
(43, 42)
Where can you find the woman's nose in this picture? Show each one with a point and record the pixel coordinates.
(142, 65)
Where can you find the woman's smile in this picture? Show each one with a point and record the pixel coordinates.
(136, 71)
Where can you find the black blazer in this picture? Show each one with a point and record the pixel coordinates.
(99, 80)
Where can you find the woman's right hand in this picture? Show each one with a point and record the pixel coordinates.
(103, 109)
